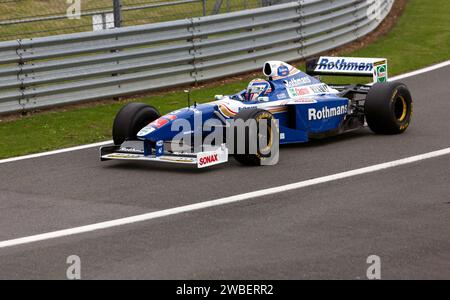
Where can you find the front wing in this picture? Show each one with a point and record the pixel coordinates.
(134, 151)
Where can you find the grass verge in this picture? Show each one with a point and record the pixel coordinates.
(420, 38)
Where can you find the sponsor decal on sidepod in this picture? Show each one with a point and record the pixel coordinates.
(325, 112)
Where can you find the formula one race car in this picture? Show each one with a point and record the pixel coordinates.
(295, 107)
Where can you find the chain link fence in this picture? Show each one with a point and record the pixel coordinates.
(21, 19)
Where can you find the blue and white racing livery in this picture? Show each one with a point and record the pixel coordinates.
(303, 107)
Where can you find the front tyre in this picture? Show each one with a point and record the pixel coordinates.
(131, 119)
(256, 143)
(388, 108)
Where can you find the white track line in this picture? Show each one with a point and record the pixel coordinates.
(221, 201)
(421, 71)
(410, 74)
(7, 160)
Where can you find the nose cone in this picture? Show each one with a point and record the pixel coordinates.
(157, 129)
(145, 131)
(180, 121)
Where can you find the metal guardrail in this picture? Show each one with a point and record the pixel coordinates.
(42, 72)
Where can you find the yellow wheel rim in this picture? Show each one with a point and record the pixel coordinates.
(405, 109)
(269, 131)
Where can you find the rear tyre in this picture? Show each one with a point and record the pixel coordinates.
(256, 148)
(131, 119)
(388, 108)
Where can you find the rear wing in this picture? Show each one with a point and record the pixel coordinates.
(349, 66)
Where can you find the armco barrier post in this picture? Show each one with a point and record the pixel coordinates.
(117, 13)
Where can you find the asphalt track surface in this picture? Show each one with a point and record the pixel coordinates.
(325, 231)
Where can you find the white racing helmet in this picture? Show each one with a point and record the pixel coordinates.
(257, 88)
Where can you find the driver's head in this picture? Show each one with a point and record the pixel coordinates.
(257, 88)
